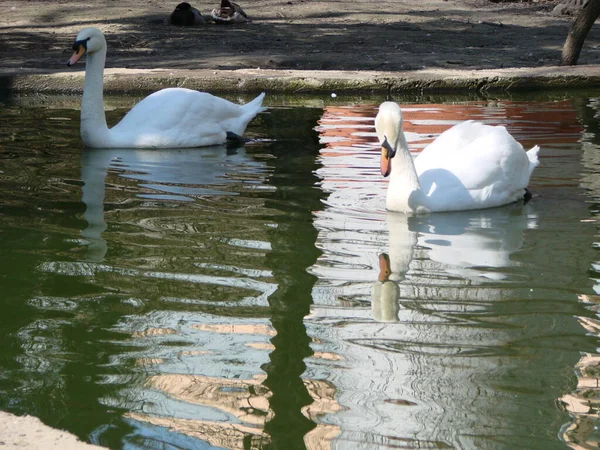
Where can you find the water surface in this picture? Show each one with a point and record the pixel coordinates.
(232, 297)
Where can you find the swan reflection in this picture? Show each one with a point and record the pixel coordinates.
(470, 245)
(175, 175)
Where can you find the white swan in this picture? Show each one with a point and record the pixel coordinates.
(469, 166)
(169, 118)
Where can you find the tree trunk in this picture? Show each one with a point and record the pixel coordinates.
(578, 32)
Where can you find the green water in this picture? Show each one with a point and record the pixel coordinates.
(218, 297)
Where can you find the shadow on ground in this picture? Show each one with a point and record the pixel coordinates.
(317, 40)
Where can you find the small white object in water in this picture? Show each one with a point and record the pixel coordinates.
(333, 95)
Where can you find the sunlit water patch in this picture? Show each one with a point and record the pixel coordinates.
(469, 326)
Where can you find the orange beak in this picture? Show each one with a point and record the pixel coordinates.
(384, 267)
(78, 52)
(387, 153)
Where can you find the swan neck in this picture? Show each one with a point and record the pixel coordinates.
(93, 119)
(403, 166)
(404, 192)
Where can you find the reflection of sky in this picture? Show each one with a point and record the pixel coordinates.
(439, 372)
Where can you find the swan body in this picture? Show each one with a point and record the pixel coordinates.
(169, 118)
(469, 166)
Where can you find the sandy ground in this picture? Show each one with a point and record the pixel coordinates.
(426, 40)
(30, 433)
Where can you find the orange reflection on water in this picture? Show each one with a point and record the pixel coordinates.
(539, 123)
(237, 328)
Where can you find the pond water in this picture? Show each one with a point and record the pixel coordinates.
(231, 298)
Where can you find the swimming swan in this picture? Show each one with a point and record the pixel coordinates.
(169, 118)
(469, 166)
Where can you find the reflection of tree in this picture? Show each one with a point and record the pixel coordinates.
(293, 252)
(246, 400)
(218, 434)
(52, 343)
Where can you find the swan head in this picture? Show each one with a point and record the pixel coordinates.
(385, 294)
(385, 268)
(89, 40)
(388, 125)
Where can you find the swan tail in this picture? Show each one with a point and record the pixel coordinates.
(255, 106)
(246, 113)
(532, 155)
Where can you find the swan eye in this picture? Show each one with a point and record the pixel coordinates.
(79, 49)
(78, 44)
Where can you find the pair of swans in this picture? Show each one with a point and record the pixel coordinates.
(470, 166)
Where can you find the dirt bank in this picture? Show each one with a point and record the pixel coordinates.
(416, 39)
